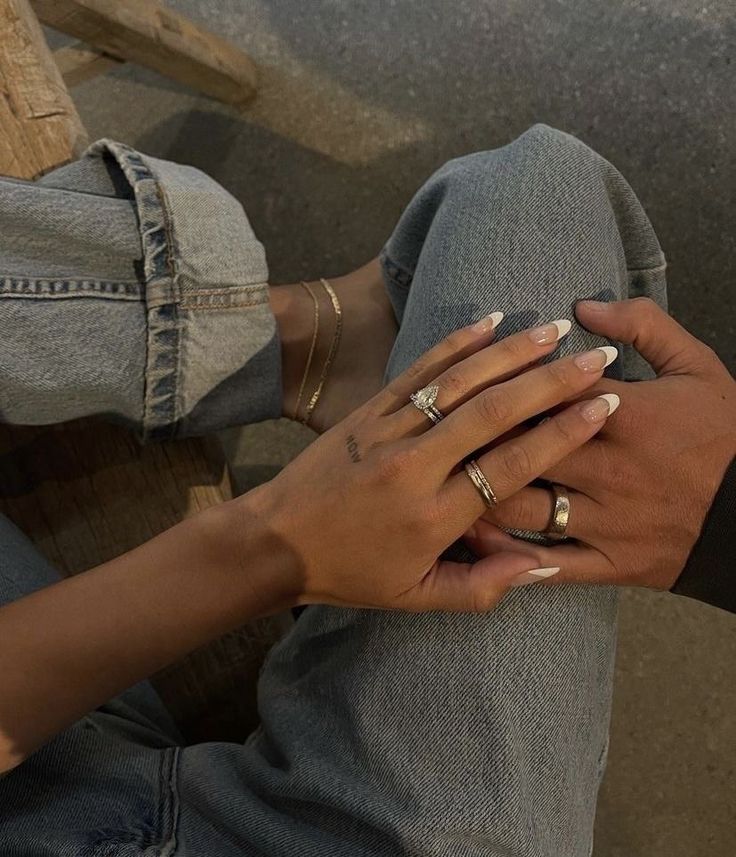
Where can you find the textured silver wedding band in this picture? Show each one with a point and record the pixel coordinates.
(560, 514)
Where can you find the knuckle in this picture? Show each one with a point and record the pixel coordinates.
(645, 305)
(417, 368)
(516, 512)
(483, 600)
(455, 341)
(515, 347)
(372, 410)
(708, 354)
(395, 464)
(495, 407)
(708, 358)
(515, 462)
(560, 374)
(644, 313)
(566, 429)
(453, 381)
(434, 515)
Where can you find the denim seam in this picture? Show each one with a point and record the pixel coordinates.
(403, 279)
(397, 275)
(157, 840)
(169, 804)
(204, 302)
(229, 290)
(171, 257)
(161, 381)
(654, 270)
(55, 288)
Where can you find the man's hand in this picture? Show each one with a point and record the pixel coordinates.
(640, 490)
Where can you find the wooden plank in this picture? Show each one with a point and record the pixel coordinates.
(80, 62)
(159, 38)
(39, 125)
(87, 491)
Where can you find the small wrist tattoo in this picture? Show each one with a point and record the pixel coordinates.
(353, 452)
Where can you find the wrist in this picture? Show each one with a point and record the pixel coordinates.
(293, 311)
(268, 575)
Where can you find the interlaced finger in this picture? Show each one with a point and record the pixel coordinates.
(496, 410)
(512, 465)
(466, 378)
(531, 509)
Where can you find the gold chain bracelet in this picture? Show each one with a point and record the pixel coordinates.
(314, 399)
(312, 348)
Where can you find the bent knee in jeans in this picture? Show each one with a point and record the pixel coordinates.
(528, 229)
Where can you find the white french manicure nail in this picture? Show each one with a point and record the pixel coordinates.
(610, 352)
(598, 409)
(496, 318)
(534, 576)
(597, 359)
(613, 401)
(550, 332)
(487, 324)
(563, 326)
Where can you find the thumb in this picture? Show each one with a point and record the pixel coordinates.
(475, 587)
(661, 341)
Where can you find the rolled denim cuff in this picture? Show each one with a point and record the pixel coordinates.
(212, 349)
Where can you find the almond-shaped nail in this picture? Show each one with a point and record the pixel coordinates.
(550, 332)
(486, 325)
(533, 576)
(599, 408)
(597, 359)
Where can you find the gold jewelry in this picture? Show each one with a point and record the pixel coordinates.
(560, 514)
(331, 354)
(311, 348)
(483, 486)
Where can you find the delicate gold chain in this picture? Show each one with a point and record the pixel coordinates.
(331, 355)
(311, 349)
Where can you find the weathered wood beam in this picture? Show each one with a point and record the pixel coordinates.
(81, 62)
(39, 124)
(150, 34)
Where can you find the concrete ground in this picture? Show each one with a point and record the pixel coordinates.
(360, 100)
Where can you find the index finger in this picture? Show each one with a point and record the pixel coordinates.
(459, 344)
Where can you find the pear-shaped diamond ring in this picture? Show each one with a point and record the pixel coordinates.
(424, 399)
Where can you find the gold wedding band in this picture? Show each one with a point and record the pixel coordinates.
(560, 514)
(482, 485)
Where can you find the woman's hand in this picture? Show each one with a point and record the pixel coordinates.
(640, 492)
(363, 514)
(359, 518)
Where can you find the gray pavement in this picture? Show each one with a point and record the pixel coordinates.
(359, 101)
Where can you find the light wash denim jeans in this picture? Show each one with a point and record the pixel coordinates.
(381, 733)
